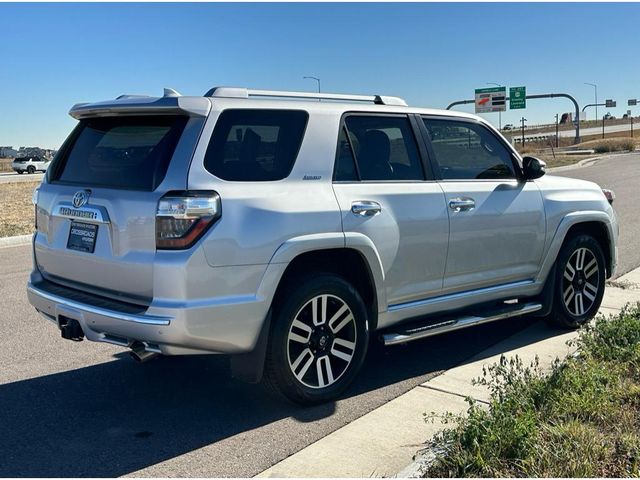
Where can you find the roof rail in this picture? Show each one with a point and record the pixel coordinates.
(235, 92)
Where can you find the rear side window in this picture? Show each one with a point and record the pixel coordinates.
(255, 145)
(384, 147)
(120, 152)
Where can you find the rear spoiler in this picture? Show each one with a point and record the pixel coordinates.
(128, 105)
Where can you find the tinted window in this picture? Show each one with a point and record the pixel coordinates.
(384, 147)
(466, 150)
(120, 152)
(345, 163)
(255, 145)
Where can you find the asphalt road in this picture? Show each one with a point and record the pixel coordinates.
(12, 177)
(86, 409)
(621, 173)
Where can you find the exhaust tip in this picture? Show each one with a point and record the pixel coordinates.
(139, 353)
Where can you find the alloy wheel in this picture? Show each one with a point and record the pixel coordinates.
(321, 341)
(580, 282)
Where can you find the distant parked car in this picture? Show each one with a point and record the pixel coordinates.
(508, 126)
(30, 164)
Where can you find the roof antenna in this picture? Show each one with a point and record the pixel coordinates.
(170, 92)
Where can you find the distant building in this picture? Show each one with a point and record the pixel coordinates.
(36, 152)
(8, 152)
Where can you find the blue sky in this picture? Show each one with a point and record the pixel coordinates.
(55, 55)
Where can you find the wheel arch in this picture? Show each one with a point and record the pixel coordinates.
(595, 223)
(353, 257)
(348, 263)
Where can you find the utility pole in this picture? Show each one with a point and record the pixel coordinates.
(557, 139)
(603, 125)
(522, 120)
(499, 111)
(631, 117)
(596, 96)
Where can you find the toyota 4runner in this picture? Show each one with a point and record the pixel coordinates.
(287, 229)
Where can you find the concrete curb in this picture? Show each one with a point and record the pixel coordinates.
(15, 241)
(586, 162)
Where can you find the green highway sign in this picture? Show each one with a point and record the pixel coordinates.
(517, 98)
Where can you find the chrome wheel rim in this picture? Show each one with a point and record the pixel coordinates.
(321, 341)
(580, 282)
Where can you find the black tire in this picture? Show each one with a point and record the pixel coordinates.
(316, 360)
(31, 169)
(578, 298)
(20, 172)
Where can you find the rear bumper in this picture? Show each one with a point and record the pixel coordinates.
(214, 326)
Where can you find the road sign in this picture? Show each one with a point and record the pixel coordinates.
(610, 103)
(632, 102)
(517, 98)
(491, 99)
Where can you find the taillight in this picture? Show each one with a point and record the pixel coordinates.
(610, 196)
(183, 217)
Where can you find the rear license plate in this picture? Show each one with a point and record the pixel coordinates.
(82, 237)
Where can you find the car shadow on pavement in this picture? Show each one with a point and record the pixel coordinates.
(118, 417)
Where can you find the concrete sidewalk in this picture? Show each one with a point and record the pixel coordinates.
(383, 442)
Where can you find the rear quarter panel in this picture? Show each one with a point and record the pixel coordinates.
(259, 217)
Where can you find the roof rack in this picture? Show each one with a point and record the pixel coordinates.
(235, 92)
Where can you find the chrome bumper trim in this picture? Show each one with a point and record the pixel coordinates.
(140, 319)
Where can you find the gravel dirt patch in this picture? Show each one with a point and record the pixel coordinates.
(17, 213)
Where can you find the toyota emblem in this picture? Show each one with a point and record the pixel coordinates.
(80, 198)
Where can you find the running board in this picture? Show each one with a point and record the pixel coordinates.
(416, 331)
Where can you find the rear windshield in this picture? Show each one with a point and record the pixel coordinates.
(119, 152)
(255, 145)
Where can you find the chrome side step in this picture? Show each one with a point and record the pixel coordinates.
(423, 331)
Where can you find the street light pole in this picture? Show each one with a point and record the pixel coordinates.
(499, 112)
(316, 79)
(596, 96)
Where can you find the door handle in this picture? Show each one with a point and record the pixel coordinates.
(365, 208)
(462, 204)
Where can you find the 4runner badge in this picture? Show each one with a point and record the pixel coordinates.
(80, 198)
(311, 177)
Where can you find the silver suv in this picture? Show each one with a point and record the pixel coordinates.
(30, 164)
(288, 229)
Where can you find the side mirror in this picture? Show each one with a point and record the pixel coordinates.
(533, 168)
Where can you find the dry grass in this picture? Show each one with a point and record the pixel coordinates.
(610, 144)
(614, 142)
(17, 212)
(5, 164)
(579, 420)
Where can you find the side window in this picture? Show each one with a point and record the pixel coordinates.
(255, 145)
(384, 147)
(468, 151)
(345, 170)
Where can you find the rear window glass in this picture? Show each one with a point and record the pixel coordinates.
(120, 152)
(255, 145)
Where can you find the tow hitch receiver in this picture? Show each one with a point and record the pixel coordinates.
(70, 329)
